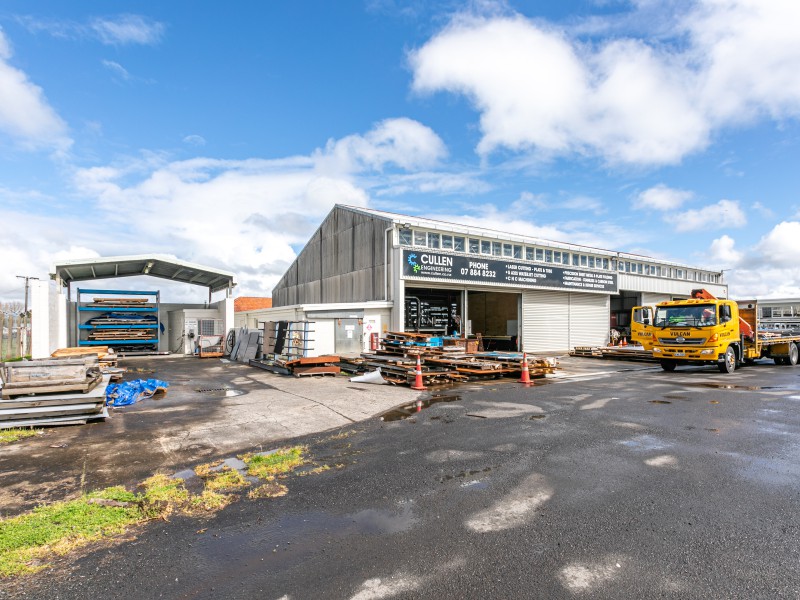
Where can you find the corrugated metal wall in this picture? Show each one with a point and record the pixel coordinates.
(560, 321)
(343, 262)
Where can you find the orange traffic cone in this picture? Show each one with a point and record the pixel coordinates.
(526, 374)
(624, 342)
(418, 384)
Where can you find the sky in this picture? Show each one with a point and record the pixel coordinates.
(223, 133)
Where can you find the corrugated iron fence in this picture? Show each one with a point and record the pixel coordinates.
(15, 336)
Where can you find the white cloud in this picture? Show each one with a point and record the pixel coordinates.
(782, 244)
(723, 252)
(117, 68)
(402, 142)
(194, 140)
(661, 198)
(723, 214)
(127, 29)
(247, 216)
(25, 114)
(768, 269)
(627, 100)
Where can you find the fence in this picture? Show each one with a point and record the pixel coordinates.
(15, 336)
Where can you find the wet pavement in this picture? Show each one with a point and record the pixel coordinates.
(635, 484)
(212, 409)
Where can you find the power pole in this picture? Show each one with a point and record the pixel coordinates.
(24, 338)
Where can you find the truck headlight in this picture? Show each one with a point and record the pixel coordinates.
(656, 350)
(707, 351)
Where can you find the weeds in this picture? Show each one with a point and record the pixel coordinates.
(16, 433)
(267, 466)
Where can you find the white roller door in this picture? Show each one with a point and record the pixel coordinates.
(560, 321)
(545, 321)
(588, 319)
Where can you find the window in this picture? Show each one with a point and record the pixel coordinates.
(565, 258)
(433, 240)
(548, 256)
(605, 264)
(474, 246)
(517, 251)
(584, 260)
(420, 238)
(640, 268)
(486, 247)
(447, 242)
(622, 266)
(539, 254)
(508, 250)
(664, 271)
(497, 248)
(556, 256)
(591, 262)
(627, 266)
(458, 243)
(576, 260)
(528, 253)
(405, 237)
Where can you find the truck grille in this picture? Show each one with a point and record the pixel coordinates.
(686, 341)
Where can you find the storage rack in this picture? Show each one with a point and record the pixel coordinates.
(127, 333)
(288, 338)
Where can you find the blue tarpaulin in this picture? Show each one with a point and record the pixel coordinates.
(129, 392)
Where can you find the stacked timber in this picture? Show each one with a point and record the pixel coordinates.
(300, 367)
(634, 353)
(57, 391)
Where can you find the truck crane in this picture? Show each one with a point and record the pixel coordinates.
(708, 330)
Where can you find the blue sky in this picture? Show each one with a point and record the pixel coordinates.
(223, 134)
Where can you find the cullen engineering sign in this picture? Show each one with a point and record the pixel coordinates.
(435, 265)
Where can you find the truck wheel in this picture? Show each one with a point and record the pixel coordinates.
(668, 365)
(791, 360)
(729, 364)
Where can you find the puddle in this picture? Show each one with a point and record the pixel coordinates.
(289, 541)
(645, 442)
(409, 410)
(743, 388)
(464, 474)
(225, 392)
(475, 484)
(659, 402)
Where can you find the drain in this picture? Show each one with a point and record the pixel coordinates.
(206, 390)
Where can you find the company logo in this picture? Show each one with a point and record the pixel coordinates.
(414, 265)
(680, 339)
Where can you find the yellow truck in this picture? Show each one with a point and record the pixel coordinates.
(708, 330)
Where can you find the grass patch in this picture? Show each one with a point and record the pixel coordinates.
(266, 466)
(273, 489)
(59, 528)
(16, 433)
(225, 479)
(28, 541)
(204, 471)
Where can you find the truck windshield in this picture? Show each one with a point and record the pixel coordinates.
(696, 315)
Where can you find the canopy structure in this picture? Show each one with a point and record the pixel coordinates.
(155, 265)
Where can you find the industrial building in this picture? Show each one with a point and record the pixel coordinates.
(365, 272)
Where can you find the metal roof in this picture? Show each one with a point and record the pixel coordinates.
(425, 223)
(155, 265)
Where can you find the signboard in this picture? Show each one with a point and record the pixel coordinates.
(488, 271)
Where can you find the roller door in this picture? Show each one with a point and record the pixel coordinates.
(588, 319)
(545, 321)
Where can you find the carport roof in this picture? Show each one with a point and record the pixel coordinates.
(155, 265)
